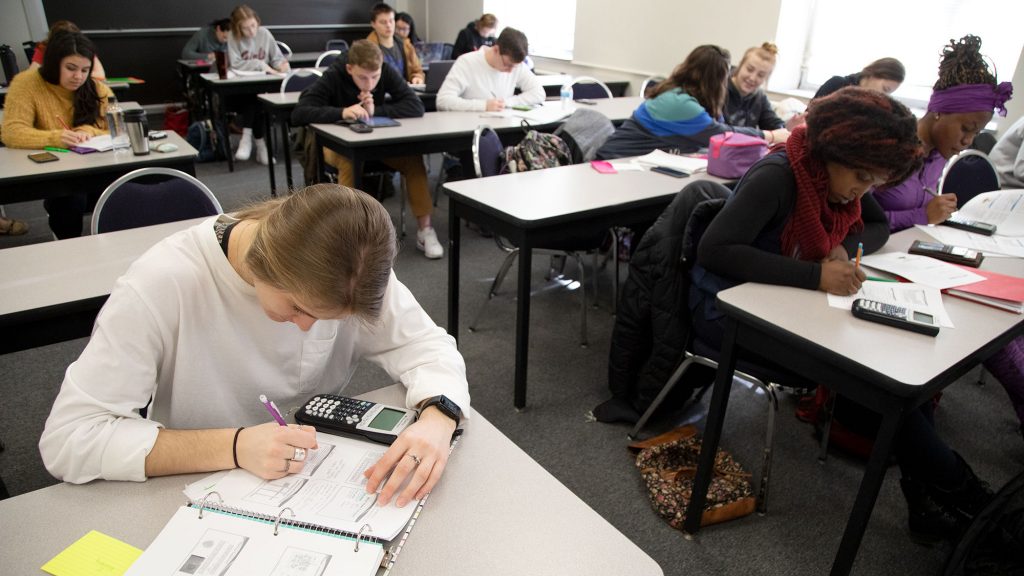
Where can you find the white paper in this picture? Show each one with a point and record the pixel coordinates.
(988, 245)
(687, 164)
(545, 114)
(330, 491)
(1004, 208)
(228, 545)
(922, 269)
(100, 143)
(914, 296)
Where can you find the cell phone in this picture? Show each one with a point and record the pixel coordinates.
(157, 135)
(587, 101)
(360, 128)
(975, 226)
(897, 316)
(41, 157)
(353, 417)
(669, 171)
(940, 251)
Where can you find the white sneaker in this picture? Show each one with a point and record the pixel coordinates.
(261, 152)
(426, 240)
(244, 146)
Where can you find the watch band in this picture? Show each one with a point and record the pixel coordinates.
(446, 406)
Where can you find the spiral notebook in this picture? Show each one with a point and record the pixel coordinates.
(235, 523)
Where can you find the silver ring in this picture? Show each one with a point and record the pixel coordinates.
(300, 454)
(414, 457)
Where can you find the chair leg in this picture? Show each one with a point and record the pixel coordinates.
(830, 405)
(583, 299)
(769, 443)
(401, 218)
(499, 278)
(665, 390)
(615, 280)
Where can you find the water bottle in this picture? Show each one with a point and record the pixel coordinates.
(116, 125)
(566, 96)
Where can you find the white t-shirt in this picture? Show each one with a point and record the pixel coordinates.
(183, 328)
(472, 82)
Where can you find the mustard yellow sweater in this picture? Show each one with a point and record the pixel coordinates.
(32, 107)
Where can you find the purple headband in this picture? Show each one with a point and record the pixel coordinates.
(971, 98)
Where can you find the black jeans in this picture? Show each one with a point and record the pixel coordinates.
(66, 213)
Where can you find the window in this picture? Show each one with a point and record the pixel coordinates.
(551, 35)
(841, 40)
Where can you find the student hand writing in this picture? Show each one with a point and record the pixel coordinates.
(73, 137)
(840, 277)
(495, 105)
(428, 440)
(267, 450)
(366, 101)
(418, 79)
(940, 207)
(354, 112)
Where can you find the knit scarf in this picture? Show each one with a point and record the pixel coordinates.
(815, 227)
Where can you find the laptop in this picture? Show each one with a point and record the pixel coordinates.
(436, 74)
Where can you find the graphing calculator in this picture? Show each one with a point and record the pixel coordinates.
(893, 315)
(352, 417)
(940, 251)
(957, 221)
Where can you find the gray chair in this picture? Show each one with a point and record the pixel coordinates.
(149, 196)
(327, 58)
(487, 161)
(968, 174)
(588, 87)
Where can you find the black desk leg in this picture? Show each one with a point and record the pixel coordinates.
(286, 143)
(220, 121)
(870, 484)
(454, 232)
(318, 143)
(713, 429)
(268, 129)
(522, 322)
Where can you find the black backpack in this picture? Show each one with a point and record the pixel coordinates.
(994, 543)
(10, 64)
(206, 141)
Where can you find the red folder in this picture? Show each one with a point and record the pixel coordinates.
(999, 290)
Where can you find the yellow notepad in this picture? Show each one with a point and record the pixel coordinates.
(94, 554)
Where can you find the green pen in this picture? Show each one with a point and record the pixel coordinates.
(877, 279)
(55, 149)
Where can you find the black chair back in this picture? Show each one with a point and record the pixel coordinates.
(968, 174)
(151, 196)
(487, 152)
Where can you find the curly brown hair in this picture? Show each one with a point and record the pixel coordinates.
(962, 63)
(862, 128)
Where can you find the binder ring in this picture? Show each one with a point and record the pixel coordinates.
(202, 503)
(359, 536)
(278, 521)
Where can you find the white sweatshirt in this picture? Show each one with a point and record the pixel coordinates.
(251, 53)
(1008, 156)
(472, 82)
(181, 327)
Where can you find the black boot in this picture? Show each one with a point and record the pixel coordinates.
(967, 499)
(929, 522)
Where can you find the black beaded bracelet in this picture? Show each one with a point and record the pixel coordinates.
(234, 447)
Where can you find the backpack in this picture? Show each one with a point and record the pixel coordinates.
(537, 151)
(205, 140)
(10, 64)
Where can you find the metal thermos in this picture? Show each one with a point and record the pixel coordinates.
(138, 131)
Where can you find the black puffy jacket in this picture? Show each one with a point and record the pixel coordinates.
(652, 323)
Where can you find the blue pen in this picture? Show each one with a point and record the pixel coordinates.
(272, 408)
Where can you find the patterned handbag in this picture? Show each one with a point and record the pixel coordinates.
(668, 464)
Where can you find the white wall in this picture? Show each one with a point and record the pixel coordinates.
(21, 20)
(446, 17)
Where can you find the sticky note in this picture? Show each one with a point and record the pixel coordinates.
(94, 554)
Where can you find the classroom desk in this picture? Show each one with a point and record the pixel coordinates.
(22, 180)
(54, 290)
(532, 208)
(277, 108)
(475, 521)
(436, 132)
(237, 86)
(888, 370)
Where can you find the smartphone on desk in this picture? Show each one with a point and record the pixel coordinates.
(360, 128)
(41, 157)
(353, 417)
(587, 101)
(669, 172)
(157, 135)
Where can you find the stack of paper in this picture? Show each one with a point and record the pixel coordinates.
(685, 164)
(100, 143)
(1004, 208)
(998, 290)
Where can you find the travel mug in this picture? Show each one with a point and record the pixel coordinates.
(138, 131)
(222, 63)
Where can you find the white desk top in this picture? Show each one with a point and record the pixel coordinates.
(907, 357)
(550, 194)
(14, 163)
(54, 273)
(278, 99)
(495, 512)
(214, 79)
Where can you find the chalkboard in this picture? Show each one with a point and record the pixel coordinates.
(128, 14)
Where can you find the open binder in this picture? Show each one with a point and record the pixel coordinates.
(314, 523)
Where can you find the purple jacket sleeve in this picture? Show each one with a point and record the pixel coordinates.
(902, 205)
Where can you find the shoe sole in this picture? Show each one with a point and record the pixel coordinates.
(424, 250)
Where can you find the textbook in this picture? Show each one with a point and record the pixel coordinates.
(998, 290)
(1003, 208)
(320, 519)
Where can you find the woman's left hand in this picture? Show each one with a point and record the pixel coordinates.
(420, 454)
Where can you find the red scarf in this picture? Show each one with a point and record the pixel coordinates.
(816, 226)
